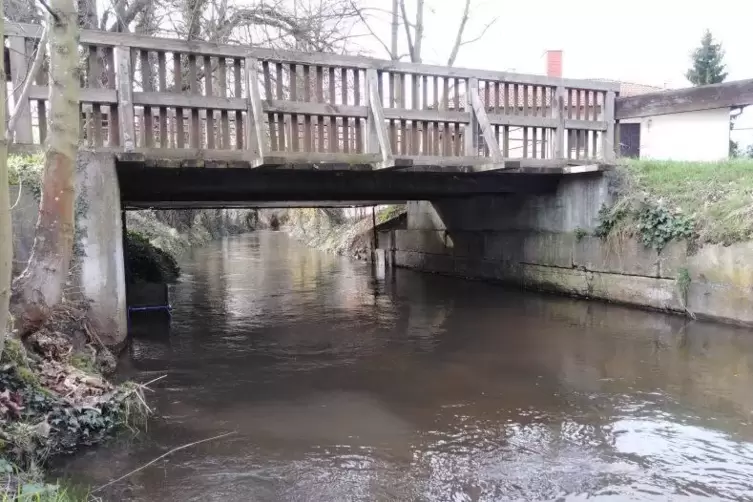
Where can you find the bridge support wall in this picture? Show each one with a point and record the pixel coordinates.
(98, 247)
(542, 242)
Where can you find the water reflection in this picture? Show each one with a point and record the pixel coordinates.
(421, 387)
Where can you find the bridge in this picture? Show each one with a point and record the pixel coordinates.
(170, 123)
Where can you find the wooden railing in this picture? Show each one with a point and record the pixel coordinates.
(172, 98)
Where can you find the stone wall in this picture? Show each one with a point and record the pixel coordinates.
(546, 243)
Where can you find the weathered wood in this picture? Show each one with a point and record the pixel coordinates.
(95, 81)
(472, 127)
(146, 85)
(608, 137)
(269, 96)
(180, 134)
(357, 102)
(307, 132)
(238, 93)
(558, 113)
(692, 99)
(482, 121)
(42, 80)
(344, 101)
(376, 119)
(124, 80)
(295, 127)
(19, 68)
(101, 96)
(144, 42)
(193, 87)
(162, 69)
(224, 119)
(208, 92)
(256, 141)
(332, 122)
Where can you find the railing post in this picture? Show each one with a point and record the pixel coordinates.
(375, 125)
(608, 139)
(558, 109)
(19, 68)
(471, 128)
(256, 139)
(123, 80)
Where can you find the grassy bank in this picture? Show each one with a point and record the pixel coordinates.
(661, 201)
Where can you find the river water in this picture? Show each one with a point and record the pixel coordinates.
(342, 387)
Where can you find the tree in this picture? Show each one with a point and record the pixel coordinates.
(707, 63)
(6, 238)
(40, 286)
(414, 29)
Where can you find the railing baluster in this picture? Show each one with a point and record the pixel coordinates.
(240, 142)
(162, 69)
(124, 79)
(146, 86)
(180, 135)
(208, 92)
(224, 121)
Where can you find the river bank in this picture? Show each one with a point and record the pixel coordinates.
(56, 399)
(328, 230)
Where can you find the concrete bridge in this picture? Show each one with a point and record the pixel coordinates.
(171, 124)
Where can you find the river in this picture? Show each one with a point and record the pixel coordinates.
(342, 387)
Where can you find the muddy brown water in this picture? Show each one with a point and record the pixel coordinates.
(343, 387)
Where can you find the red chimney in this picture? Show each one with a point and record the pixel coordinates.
(554, 63)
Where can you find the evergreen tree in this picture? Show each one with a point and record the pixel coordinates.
(707, 67)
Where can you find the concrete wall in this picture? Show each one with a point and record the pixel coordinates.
(99, 244)
(698, 136)
(546, 243)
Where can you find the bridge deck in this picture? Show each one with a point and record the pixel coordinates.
(182, 102)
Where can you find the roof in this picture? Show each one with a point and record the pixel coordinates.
(631, 88)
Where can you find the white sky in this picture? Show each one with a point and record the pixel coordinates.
(642, 41)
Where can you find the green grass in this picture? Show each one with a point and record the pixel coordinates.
(718, 196)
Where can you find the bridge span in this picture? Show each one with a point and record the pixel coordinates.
(167, 123)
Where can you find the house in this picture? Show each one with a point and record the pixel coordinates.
(689, 135)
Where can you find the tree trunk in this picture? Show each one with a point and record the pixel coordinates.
(40, 286)
(6, 230)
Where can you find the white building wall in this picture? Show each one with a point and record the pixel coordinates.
(694, 136)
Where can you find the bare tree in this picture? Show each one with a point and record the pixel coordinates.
(40, 285)
(415, 28)
(6, 230)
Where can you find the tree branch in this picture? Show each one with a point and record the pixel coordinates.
(411, 48)
(419, 29)
(359, 12)
(480, 35)
(459, 36)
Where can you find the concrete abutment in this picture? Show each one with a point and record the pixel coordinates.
(545, 242)
(98, 247)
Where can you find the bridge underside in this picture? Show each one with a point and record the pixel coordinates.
(143, 186)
